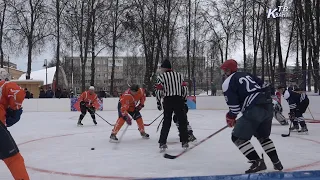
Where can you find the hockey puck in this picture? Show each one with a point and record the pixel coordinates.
(92, 148)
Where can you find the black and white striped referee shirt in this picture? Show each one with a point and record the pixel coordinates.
(170, 83)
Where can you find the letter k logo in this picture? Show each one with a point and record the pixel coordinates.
(271, 13)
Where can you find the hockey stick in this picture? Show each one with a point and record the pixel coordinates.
(159, 124)
(120, 139)
(286, 135)
(184, 151)
(311, 113)
(153, 120)
(104, 119)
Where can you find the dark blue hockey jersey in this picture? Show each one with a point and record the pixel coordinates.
(293, 98)
(240, 90)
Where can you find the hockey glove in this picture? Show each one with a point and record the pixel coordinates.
(231, 120)
(292, 116)
(82, 103)
(139, 107)
(13, 116)
(159, 105)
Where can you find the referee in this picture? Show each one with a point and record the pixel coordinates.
(170, 87)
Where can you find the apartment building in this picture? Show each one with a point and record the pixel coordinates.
(127, 70)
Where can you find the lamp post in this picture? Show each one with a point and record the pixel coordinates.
(46, 65)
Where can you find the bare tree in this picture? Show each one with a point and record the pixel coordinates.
(29, 22)
(3, 10)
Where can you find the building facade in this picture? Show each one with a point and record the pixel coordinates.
(127, 70)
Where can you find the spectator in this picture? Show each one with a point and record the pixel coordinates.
(102, 94)
(49, 93)
(58, 93)
(28, 94)
(42, 93)
(71, 94)
(65, 93)
(213, 89)
(115, 92)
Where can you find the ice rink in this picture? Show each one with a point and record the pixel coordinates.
(55, 148)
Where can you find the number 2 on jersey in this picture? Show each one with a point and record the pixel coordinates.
(249, 82)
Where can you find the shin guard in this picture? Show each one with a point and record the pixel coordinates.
(140, 125)
(118, 125)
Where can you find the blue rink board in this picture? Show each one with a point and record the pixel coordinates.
(300, 175)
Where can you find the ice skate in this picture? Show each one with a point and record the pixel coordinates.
(257, 165)
(163, 147)
(185, 145)
(278, 166)
(303, 131)
(79, 123)
(144, 135)
(113, 138)
(192, 138)
(95, 122)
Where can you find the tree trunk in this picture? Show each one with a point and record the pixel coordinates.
(3, 13)
(93, 68)
(188, 46)
(168, 27)
(278, 43)
(58, 42)
(317, 48)
(194, 46)
(303, 45)
(114, 41)
(29, 57)
(244, 12)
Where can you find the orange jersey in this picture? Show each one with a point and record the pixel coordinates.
(12, 96)
(129, 101)
(90, 99)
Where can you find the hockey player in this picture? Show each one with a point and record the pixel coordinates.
(88, 102)
(277, 111)
(191, 137)
(298, 104)
(244, 93)
(130, 103)
(11, 100)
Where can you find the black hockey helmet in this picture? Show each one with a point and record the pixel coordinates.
(134, 87)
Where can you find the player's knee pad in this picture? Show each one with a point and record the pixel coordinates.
(237, 141)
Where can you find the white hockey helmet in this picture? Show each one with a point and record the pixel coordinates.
(91, 88)
(4, 75)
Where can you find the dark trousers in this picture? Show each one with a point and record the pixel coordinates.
(84, 110)
(301, 108)
(174, 104)
(8, 146)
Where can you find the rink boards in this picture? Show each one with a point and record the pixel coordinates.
(302, 175)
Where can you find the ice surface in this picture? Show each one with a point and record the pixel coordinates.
(69, 156)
